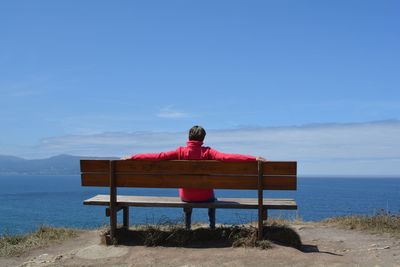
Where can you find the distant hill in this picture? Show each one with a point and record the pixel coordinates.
(57, 165)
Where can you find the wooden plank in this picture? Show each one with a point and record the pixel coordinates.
(280, 168)
(189, 167)
(95, 165)
(280, 183)
(192, 181)
(200, 181)
(171, 166)
(186, 167)
(94, 179)
(176, 202)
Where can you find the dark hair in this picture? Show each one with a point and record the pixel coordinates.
(197, 133)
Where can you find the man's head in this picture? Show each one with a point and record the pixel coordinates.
(197, 133)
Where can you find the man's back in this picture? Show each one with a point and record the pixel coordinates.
(194, 151)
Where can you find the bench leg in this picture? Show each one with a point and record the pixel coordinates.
(113, 203)
(260, 224)
(113, 224)
(108, 212)
(265, 214)
(211, 217)
(126, 217)
(188, 217)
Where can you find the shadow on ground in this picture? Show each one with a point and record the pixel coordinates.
(224, 236)
(314, 249)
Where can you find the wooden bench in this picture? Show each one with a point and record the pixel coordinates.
(256, 175)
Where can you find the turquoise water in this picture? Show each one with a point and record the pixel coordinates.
(30, 201)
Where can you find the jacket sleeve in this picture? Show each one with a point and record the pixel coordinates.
(216, 155)
(169, 155)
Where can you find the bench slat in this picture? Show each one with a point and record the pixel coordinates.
(191, 181)
(190, 166)
(88, 165)
(233, 203)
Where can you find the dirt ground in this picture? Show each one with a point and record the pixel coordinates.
(322, 246)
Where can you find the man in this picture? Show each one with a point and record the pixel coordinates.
(195, 150)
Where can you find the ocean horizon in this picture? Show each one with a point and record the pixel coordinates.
(29, 201)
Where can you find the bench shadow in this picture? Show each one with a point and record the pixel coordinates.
(225, 236)
(198, 238)
(314, 249)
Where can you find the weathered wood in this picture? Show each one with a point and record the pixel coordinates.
(95, 165)
(192, 181)
(184, 167)
(279, 168)
(176, 202)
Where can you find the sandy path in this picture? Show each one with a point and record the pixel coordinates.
(323, 246)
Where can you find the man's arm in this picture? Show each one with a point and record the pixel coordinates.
(169, 155)
(216, 155)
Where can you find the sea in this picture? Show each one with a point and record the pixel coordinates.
(28, 202)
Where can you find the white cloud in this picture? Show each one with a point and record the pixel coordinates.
(169, 112)
(332, 149)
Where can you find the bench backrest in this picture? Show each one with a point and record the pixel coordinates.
(269, 175)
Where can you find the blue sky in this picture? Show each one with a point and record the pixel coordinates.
(81, 70)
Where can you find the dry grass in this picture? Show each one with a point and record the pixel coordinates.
(14, 245)
(379, 223)
(200, 236)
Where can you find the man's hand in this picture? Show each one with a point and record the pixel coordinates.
(127, 157)
(261, 159)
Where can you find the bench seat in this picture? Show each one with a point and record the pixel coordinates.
(176, 202)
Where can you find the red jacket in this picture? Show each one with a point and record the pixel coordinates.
(194, 150)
